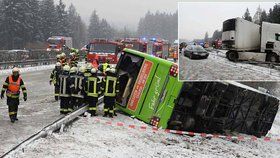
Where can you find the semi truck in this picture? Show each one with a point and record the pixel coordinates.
(246, 40)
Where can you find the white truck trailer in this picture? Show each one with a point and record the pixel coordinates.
(246, 40)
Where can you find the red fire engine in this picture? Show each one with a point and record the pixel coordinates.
(57, 43)
(135, 43)
(103, 50)
(158, 48)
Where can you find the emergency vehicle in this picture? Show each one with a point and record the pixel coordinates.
(58, 43)
(135, 43)
(103, 50)
(158, 48)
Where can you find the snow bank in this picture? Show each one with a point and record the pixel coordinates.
(28, 69)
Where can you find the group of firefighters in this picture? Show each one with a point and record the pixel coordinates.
(74, 86)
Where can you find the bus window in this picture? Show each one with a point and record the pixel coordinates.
(129, 67)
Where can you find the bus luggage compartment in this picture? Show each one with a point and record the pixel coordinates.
(220, 107)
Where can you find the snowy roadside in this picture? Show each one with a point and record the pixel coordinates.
(28, 69)
(87, 138)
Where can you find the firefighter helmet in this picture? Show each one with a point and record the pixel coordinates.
(107, 70)
(73, 70)
(63, 54)
(113, 70)
(82, 69)
(58, 56)
(93, 70)
(58, 64)
(15, 69)
(89, 66)
(66, 68)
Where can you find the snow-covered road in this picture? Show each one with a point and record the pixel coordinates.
(217, 67)
(34, 114)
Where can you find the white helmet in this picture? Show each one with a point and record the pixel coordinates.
(82, 69)
(93, 70)
(107, 70)
(58, 64)
(15, 69)
(89, 66)
(58, 56)
(63, 54)
(113, 70)
(66, 68)
(73, 70)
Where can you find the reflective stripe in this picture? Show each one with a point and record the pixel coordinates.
(62, 90)
(114, 80)
(111, 111)
(70, 110)
(56, 94)
(106, 110)
(92, 108)
(6, 84)
(104, 67)
(63, 110)
(12, 95)
(12, 113)
(92, 90)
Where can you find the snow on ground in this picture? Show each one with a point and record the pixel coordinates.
(217, 67)
(87, 138)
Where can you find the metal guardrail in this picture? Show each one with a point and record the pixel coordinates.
(55, 126)
(10, 64)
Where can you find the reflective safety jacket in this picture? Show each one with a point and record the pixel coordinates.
(54, 78)
(77, 85)
(93, 85)
(111, 85)
(64, 84)
(12, 86)
(103, 67)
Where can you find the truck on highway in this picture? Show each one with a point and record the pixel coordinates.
(58, 43)
(246, 40)
(150, 91)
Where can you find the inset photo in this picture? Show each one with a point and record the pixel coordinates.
(229, 41)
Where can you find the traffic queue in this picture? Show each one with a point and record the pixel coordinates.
(76, 86)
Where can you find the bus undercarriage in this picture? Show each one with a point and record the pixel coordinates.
(218, 107)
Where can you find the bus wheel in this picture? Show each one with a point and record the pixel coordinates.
(232, 55)
(272, 57)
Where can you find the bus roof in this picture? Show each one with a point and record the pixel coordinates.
(149, 57)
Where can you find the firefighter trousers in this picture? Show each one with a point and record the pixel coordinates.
(92, 103)
(56, 91)
(64, 104)
(109, 104)
(13, 107)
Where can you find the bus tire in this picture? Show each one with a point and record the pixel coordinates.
(272, 57)
(232, 56)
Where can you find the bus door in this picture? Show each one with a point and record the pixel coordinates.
(155, 93)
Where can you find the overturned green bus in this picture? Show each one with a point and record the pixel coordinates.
(150, 91)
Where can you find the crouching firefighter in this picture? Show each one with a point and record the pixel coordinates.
(93, 85)
(64, 90)
(54, 79)
(12, 87)
(111, 88)
(77, 87)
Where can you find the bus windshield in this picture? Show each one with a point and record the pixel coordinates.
(128, 67)
(103, 48)
(229, 25)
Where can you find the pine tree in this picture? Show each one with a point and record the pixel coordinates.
(257, 16)
(247, 16)
(263, 17)
(48, 23)
(62, 27)
(94, 29)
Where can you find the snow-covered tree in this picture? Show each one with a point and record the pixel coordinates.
(62, 25)
(257, 16)
(94, 29)
(247, 15)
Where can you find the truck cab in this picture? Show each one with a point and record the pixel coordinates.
(273, 49)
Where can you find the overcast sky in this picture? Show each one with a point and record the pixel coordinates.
(121, 13)
(195, 19)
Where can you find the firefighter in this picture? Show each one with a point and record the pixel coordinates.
(175, 56)
(54, 79)
(73, 85)
(93, 91)
(64, 90)
(58, 57)
(87, 74)
(111, 88)
(88, 70)
(12, 87)
(77, 87)
(103, 67)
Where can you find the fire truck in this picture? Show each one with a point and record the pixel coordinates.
(103, 50)
(58, 43)
(158, 48)
(135, 43)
